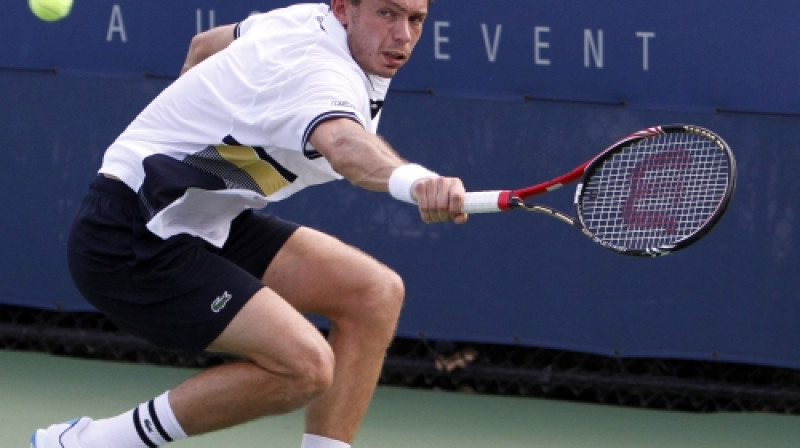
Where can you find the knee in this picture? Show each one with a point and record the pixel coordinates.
(312, 370)
(380, 301)
(383, 294)
(301, 376)
(390, 294)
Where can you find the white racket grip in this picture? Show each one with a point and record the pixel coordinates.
(482, 202)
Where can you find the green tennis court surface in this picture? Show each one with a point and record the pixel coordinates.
(39, 389)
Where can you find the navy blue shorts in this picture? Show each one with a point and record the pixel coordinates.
(178, 293)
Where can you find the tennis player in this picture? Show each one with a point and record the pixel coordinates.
(168, 242)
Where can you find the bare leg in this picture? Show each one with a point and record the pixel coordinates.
(362, 298)
(289, 364)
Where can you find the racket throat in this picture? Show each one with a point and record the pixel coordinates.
(508, 202)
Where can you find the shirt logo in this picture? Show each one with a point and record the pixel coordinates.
(219, 303)
(342, 104)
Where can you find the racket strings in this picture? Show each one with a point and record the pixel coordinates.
(656, 191)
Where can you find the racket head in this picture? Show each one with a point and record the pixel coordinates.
(656, 191)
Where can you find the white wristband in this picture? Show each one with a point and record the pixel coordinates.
(403, 179)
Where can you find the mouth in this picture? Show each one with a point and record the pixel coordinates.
(395, 58)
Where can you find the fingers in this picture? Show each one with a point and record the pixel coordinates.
(440, 199)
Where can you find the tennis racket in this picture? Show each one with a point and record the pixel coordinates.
(652, 193)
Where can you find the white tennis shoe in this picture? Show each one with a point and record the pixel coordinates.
(60, 435)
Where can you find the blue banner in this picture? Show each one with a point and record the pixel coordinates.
(682, 55)
(504, 278)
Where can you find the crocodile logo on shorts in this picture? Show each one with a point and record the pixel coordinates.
(219, 303)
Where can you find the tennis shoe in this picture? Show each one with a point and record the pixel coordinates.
(60, 435)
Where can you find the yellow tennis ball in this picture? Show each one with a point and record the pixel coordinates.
(50, 10)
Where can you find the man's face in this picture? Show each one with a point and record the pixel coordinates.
(382, 33)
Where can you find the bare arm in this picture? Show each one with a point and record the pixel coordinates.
(362, 158)
(206, 44)
(367, 161)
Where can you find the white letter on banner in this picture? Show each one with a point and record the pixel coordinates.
(115, 25)
(212, 19)
(596, 49)
(438, 39)
(491, 49)
(646, 36)
(538, 44)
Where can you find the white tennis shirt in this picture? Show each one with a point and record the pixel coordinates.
(232, 133)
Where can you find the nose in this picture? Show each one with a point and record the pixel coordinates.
(402, 31)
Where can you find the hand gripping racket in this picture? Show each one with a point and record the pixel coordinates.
(651, 193)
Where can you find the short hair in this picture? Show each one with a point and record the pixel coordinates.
(358, 2)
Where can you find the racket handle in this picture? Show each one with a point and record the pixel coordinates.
(486, 201)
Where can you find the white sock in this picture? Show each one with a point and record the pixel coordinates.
(314, 441)
(148, 425)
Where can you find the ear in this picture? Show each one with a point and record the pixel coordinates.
(339, 8)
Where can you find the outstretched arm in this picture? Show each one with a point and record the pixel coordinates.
(367, 161)
(208, 43)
